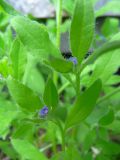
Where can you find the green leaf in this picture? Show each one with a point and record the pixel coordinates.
(111, 6)
(18, 56)
(71, 153)
(107, 119)
(84, 105)
(24, 96)
(61, 65)
(105, 67)
(50, 94)
(7, 149)
(34, 37)
(103, 157)
(2, 45)
(60, 113)
(110, 27)
(109, 46)
(82, 28)
(8, 113)
(27, 150)
(89, 140)
(113, 80)
(114, 126)
(8, 8)
(8, 38)
(4, 70)
(35, 81)
(108, 148)
(24, 131)
(68, 6)
(108, 62)
(96, 115)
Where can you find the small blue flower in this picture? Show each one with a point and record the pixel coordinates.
(43, 112)
(74, 60)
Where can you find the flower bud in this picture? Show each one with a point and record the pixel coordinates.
(74, 60)
(43, 112)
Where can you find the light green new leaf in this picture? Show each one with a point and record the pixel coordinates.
(61, 65)
(18, 56)
(27, 150)
(24, 96)
(84, 105)
(34, 37)
(50, 94)
(82, 28)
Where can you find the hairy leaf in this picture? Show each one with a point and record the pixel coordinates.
(18, 56)
(24, 96)
(34, 37)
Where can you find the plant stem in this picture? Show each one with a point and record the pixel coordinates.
(63, 131)
(58, 21)
(108, 96)
(55, 77)
(54, 146)
(63, 87)
(70, 80)
(63, 141)
(78, 83)
(45, 148)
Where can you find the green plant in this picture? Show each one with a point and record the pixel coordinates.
(49, 103)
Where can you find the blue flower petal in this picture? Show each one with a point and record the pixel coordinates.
(44, 111)
(74, 60)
